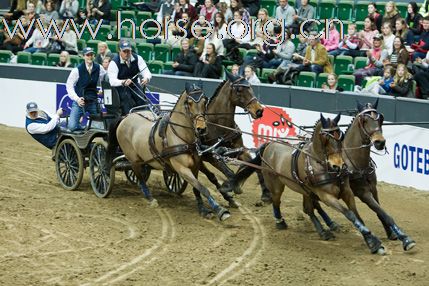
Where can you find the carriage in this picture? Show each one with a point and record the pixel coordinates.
(75, 151)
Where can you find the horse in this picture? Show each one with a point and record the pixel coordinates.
(314, 168)
(166, 143)
(235, 91)
(365, 130)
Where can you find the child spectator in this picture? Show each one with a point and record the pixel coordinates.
(403, 32)
(367, 34)
(350, 44)
(375, 16)
(414, 19)
(331, 39)
(391, 14)
(332, 83)
(64, 61)
(250, 75)
(403, 84)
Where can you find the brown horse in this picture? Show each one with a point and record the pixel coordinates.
(236, 91)
(144, 141)
(315, 168)
(364, 131)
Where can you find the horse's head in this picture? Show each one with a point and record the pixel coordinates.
(370, 122)
(331, 142)
(195, 105)
(242, 95)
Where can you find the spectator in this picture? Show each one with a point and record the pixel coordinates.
(284, 50)
(331, 39)
(105, 65)
(165, 11)
(217, 42)
(350, 44)
(69, 40)
(388, 37)
(382, 85)
(285, 12)
(422, 47)
(259, 28)
(424, 9)
(332, 83)
(220, 25)
(400, 54)
(391, 14)
(414, 19)
(81, 16)
(421, 65)
(172, 37)
(31, 13)
(210, 66)
(102, 52)
(37, 41)
(39, 7)
(403, 83)
(198, 41)
(252, 6)
(16, 43)
(41, 126)
(403, 32)
(16, 10)
(421, 76)
(185, 61)
(250, 75)
(208, 10)
(367, 34)
(240, 39)
(98, 10)
(68, 9)
(235, 6)
(235, 70)
(183, 6)
(263, 58)
(64, 61)
(316, 57)
(50, 12)
(374, 63)
(374, 15)
(305, 12)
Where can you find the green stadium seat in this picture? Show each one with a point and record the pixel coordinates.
(402, 8)
(345, 10)
(150, 33)
(156, 67)
(142, 16)
(381, 6)
(93, 44)
(103, 33)
(162, 52)
(326, 9)
(321, 79)
(252, 52)
(145, 50)
(53, 59)
(24, 57)
(38, 59)
(116, 4)
(342, 63)
(314, 3)
(265, 73)
(361, 10)
(5, 56)
(270, 5)
(243, 52)
(128, 14)
(359, 25)
(81, 44)
(360, 62)
(113, 15)
(174, 52)
(331, 59)
(292, 3)
(168, 66)
(113, 46)
(75, 60)
(306, 79)
(347, 82)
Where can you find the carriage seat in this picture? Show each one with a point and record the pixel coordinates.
(65, 130)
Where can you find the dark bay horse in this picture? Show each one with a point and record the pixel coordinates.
(364, 131)
(316, 168)
(236, 91)
(144, 141)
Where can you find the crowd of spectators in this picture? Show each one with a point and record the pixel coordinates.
(396, 48)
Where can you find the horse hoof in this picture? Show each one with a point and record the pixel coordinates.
(327, 235)
(266, 198)
(408, 244)
(154, 203)
(381, 251)
(281, 225)
(223, 214)
(233, 204)
(392, 236)
(334, 227)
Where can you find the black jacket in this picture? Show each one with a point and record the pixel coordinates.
(187, 61)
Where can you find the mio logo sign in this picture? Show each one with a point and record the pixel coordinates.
(275, 123)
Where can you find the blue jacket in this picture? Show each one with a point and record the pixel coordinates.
(86, 86)
(48, 139)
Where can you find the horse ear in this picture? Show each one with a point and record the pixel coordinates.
(229, 75)
(375, 104)
(323, 120)
(337, 118)
(359, 106)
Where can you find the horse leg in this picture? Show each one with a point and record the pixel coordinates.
(138, 171)
(266, 194)
(407, 242)
(277, 190)
(190, 177)
(326, 218)
(308, 206)
(373, 243)
(221, 166)
(204, 212)
(212, 178)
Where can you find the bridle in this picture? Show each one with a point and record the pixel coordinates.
(333, 133)
(195, 95)
(368, 112)
(241, 82)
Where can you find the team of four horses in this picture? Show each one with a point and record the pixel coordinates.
(328, 167)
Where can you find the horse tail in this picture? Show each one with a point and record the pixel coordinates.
(112, 140)
(245, 171)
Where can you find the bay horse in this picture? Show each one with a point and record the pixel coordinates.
(314, 168)
(235, 91)
(167, 142)
(364, 131)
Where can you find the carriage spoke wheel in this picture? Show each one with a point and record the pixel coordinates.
(175, 183)
(69, 164)
(132, 178)
(101, 177)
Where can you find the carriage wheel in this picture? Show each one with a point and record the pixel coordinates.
(101, 178)
(69, 164)
(132, 178)
(174, 182)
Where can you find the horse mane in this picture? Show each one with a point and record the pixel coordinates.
(217, 92)
(317, 125)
